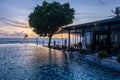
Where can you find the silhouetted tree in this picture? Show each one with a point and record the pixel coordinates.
(116, 11)
(48, 18)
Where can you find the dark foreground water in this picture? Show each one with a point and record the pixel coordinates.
(31, 62)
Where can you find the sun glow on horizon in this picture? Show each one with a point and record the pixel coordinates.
(62, 35)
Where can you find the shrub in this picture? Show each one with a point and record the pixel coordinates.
(57, 47)
(118, 58)
(64, 47)
(82, 51)
(71, 49)
(102, 54)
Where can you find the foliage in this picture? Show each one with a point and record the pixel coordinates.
(64, 47)
(72, 49)
(102, 54)
(57, 47)
(48, 18)
(118, 58)
(82, 51)
(79, 45)
(116, 11)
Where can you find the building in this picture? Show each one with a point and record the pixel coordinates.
(100, 35)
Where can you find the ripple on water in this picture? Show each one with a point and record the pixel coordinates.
(32, 62)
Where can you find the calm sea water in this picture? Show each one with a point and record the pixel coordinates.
(30, 40)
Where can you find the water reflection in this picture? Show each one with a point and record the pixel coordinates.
(51, 65)
(31, 62)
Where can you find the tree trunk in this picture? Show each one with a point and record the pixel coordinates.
(50, 37)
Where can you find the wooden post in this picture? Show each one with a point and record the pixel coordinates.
(43, 42)
(37, 41)
(75, 37)
(69, 38)
(62, 37)
(94, 40)
(83, 32)
(109, 39)
(94, 37)
(80, 37)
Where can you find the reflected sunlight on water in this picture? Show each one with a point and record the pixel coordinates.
(32, 62)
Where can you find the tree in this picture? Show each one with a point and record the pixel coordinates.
(116, 11)
(50, 17)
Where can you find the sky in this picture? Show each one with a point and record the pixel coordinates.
(14, 14)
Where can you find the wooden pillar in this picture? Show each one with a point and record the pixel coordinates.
(109, 39)
(83, 32)
(94, 41)
(62, 37)
(43, 42)
(80, 37)
(75, 37)
(69, 38)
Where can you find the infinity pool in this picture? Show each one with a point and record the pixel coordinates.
(31, 62)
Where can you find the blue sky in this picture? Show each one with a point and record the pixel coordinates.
(14, 14)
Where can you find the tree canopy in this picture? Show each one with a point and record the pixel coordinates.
(48, 18)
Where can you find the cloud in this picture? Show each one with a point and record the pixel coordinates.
(14, 23)
(16, 34)
(12, 35)
(80, 13)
